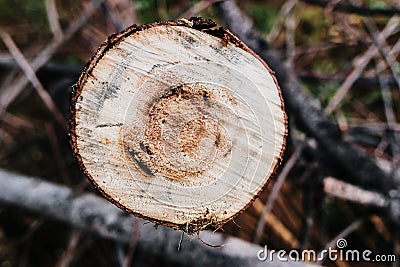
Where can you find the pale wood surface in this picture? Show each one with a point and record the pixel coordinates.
(179, 126)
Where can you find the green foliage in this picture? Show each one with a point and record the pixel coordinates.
(27, 15)
(325, 66)
(323, 90)
(312, 26)
(148, 10)
(141, 5)
(377, 4)
(32, 10)
(264, 16)
(372, 98)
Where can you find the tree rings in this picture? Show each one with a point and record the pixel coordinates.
(178, 122)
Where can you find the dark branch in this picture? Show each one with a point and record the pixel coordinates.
(93, 213)
(357, 167)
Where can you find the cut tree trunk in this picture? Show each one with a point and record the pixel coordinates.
(179, 123)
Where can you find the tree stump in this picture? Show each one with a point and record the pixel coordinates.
(178, 122)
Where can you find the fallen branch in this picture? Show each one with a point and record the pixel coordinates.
(383, 49)
(337, 188)
(358, 168)
(52, 16)
(10, 93)
(93, 213)
(359, 65)
(33, 79)
(340, 189)
(275, 191)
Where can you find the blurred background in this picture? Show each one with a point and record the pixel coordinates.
(345, 55)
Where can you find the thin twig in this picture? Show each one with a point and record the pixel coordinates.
(31, 76)
(285, 10)
(57, 152)
(387, 103)
(343, 234)
(120, 250)
(383, 49)
(276, 225)
(362, 81)
(353, 193)
(306, 111)
(7, 81)
(391, 61)
(198, 7)
(290, 25)
(69, 253)
(394, 140)
(132, 245)
(314, 49)
(274, 193)
(17, 121)
(52, 16)
(9, 94)
(394, 52)
(308, 191)
(26, 240)
(355, 8)
(359, 64)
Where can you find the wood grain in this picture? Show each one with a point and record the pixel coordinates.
(179, 123)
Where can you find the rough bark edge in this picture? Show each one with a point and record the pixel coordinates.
(207, 26)
(95, 214)
(357, 166)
